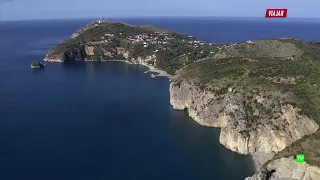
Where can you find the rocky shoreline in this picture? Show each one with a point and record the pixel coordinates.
(259, 159)
(151, 69)
(192, 95)
(287, 169)
(228, 113)
(226, 110)
(251, 90)
(205, 108)
(209, 116)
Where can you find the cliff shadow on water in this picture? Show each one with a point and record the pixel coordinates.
(190, 136)
(191, 150)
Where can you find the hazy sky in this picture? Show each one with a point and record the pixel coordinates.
(44, 9)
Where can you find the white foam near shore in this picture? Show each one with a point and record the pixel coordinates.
(116, 61)
(53, 60)
(259, 158)
(160, 73)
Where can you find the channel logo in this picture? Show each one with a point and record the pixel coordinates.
(276, 13)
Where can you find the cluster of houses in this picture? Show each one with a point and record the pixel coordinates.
(196, 43)
(104, 40)
(97, 42)
(160, 38)
(145, 39)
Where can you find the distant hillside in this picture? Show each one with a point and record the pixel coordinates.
(296, 77)
(149, 45)
(165, 49)
(285, 47)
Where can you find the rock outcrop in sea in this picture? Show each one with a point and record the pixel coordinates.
(37, 65)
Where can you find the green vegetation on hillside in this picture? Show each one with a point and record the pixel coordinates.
(298, 78)
(311, 50)
(172, 50)
(96, 32)
(292, 80)
(308, 145)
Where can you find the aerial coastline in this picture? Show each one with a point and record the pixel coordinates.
(179, 58)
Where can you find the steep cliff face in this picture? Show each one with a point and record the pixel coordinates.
(77, 53)
(287, 168)
(54, 57)
(284, 166)
(265, 105)
(88, 52)
(229, 111)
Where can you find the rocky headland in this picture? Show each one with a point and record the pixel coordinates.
(152, 46)
(264, 95)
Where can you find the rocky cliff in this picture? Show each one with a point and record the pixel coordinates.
(87, 53)
(261, 105)
(284, 166)
(288, 169)
(229, 111)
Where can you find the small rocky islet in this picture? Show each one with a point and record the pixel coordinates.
(38, 65)
(263, 94)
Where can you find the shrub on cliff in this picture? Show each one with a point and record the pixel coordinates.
(297, 78)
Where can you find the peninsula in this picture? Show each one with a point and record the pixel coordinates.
(264, 94)
(148, 45)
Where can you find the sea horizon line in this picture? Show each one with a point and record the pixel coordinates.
(165, 17)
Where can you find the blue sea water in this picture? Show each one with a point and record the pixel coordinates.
(110, 120)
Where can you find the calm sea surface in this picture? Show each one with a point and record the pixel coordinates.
(110, 121)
